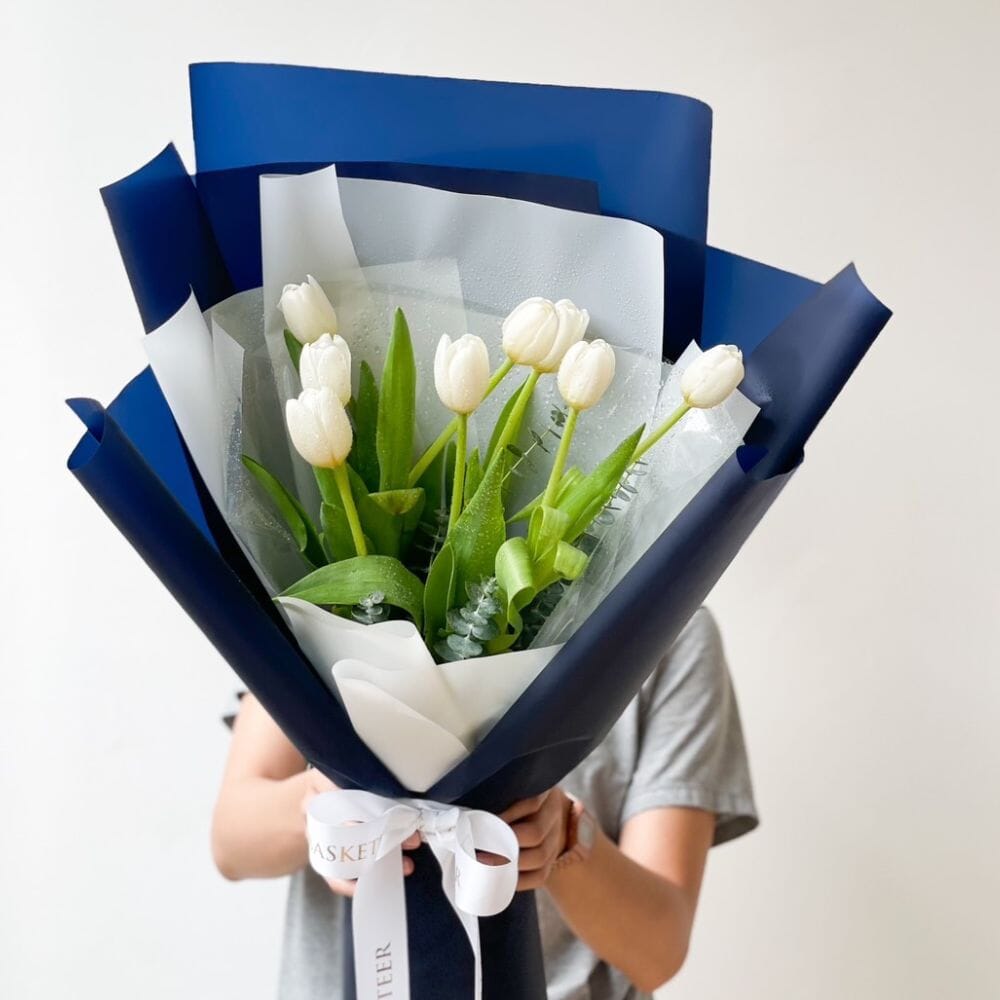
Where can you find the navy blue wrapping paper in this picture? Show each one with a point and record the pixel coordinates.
(638, 155)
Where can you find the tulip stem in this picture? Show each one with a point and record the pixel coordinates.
(555, 477)
(644, 446)
(515, 417)
(424, 462)
(347, 499)
(458, 486)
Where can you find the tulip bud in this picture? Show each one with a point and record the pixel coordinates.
(572, 326)
(327, 362)
(585, 373)
(461, 372)
(712, 376)
(307, 311)
(529, 332)
(319, 428)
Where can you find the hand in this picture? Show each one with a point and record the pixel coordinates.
(317, 783)
(539, 823)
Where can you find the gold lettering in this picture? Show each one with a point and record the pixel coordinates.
(345, 854)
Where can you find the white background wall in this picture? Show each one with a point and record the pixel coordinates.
(861, 619)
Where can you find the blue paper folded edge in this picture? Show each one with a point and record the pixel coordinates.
(802, 343)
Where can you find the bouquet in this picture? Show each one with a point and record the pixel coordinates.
(441, 535)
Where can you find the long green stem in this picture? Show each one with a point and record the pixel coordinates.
(424, 462)
(555, 477)
(513, 424)
(347, 499)
(458, 486)
(644, 446)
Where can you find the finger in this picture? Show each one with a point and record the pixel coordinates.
(533, 858)
(531, 832)
(412, 842)
(533, 880)
(407, 866)
(523, 808)
(488, 858)
(342, 886)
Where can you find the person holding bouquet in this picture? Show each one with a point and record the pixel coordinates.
(618, 849)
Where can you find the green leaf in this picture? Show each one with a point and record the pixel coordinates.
(473, 475)
(479, 532)
(352, 580)
(364, 455)
(439, 592)
(502, 422)
(396, 409)
(586, 498)
(294, 348)
(337, 540)
(569, 562)
(399, 502)
(570, 478)
(294, 514)
(378, 524)
(515, 573)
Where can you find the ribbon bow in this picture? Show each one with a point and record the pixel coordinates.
(358, 835)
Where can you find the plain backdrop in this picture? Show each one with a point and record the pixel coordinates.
(860, 620)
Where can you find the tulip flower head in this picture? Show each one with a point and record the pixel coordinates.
(461, 372)
(585, 373)
(529, 332)
(572, 325)
(712, 377)
(307, 311)
(327, 362)
(319, 427)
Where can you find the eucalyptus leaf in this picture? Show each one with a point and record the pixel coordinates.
(292, 512)
(352, 581)
(364, 455)
(396, 409)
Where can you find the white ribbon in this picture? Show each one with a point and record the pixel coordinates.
(358, 835)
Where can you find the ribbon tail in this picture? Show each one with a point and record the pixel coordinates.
(471, 924)
(381, 955)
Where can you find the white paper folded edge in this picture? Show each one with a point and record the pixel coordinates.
(420, 718)
(180, 354)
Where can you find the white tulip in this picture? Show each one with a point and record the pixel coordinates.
(307, 311)
(712, 376)
(529, 332)
(585, 373)
(319, 427)
(572, 326)
(327, 362)
(461, 372)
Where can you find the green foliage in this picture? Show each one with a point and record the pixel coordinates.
(473, 474)
(294, 348)
(439, 592)
(479, 532)
(396, 409)
(352, 581)
(337, 541)
(364, 454)
(473, 625)
(292, 512)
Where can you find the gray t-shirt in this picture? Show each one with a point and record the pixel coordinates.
(678, 743)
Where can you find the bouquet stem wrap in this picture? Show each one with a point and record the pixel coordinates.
(358, 835)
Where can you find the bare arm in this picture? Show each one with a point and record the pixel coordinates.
(634, 902)
(258, 829)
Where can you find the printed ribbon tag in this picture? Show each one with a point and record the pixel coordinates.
(358, 835)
